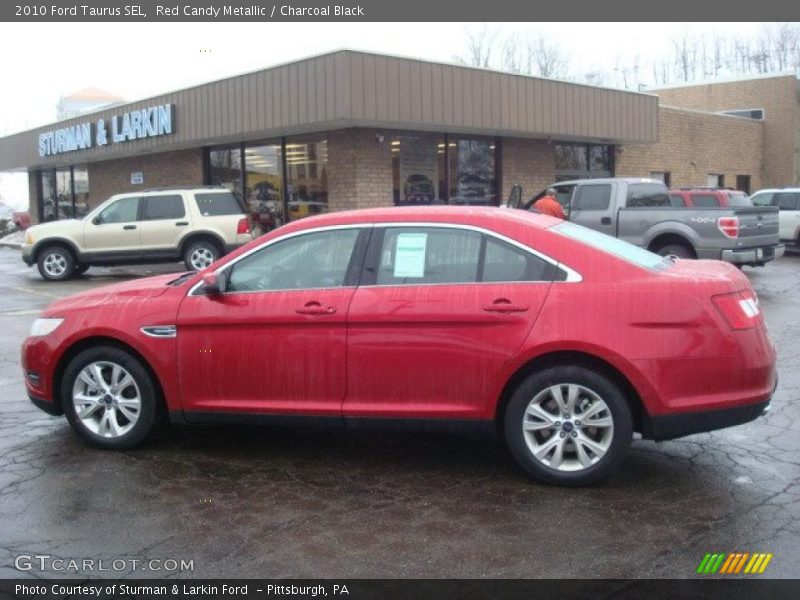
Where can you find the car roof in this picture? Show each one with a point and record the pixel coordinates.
(608, 180)
(462, 215)
(773, 190)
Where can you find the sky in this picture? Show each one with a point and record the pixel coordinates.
(44, 61)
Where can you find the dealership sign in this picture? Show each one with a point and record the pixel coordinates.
(153, 121)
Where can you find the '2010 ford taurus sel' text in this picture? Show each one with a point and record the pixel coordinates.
(561, 338)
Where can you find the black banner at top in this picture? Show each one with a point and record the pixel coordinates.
(392, 11)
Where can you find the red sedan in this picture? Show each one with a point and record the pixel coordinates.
(562, 339)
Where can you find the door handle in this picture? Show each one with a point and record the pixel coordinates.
(129, 226)
(181, 224)
(504, 306)
(605, 221)
(315, 308)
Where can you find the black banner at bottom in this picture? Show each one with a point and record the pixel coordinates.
(387, 589)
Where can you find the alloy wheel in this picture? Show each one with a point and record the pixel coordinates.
(201, 258)
(107, 399)
(55, 264)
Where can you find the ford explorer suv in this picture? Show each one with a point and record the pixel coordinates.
(196, 225)
(788, 202)
(639, 211)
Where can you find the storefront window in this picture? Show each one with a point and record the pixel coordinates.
(583, 161)
(64, 209)
(306, 186)
(80, 182)
(472, 174)
(225, 169)
(48, 212)
(418, 169)
(264, 186)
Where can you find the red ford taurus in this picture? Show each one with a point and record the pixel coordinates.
(562, 339)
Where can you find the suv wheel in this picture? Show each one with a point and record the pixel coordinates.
(568, 425)
(109, 398)
(55, 263)
(200, 255)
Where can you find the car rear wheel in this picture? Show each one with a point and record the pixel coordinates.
(200, 255)
(55, 263)
(568, 425)
(678, 250)
(109, 398)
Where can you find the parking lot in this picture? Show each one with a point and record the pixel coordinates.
(275, 503)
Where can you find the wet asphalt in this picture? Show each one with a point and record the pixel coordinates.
(266, 502)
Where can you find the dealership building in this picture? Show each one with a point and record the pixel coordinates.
(351, 129)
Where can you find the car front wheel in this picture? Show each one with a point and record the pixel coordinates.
(109, 398)
(55, 263)
(568, 425)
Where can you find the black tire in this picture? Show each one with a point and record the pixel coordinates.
(679, 250)
(617, 437)
(149, 412)
(79, 269)
(195, 250)
(55, 263)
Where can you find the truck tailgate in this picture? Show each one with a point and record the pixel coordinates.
(758, 226)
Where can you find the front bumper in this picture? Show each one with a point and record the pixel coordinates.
(669, 427)
(27, 255)
(753, 256)
(49, 407)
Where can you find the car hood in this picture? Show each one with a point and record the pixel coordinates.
(149, 287)
(54, 228)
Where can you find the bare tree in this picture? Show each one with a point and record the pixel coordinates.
(480, 46)
(547, 58)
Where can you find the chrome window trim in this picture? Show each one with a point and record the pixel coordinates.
(572, 275)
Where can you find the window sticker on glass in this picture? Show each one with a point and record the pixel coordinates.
(409, 260)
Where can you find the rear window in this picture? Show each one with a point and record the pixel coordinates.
(212, 204)
(647, 194)
(613, 246)
(739, 200)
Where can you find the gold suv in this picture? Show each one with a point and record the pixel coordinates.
(196, 225)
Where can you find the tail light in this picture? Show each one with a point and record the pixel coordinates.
(739, 309)
(243, 226)
(729, 226)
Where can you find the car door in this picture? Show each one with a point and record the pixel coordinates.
(114, 230)
(274, 341)
(438, 311)
(591, 207)
(164, 222)
(789, 216)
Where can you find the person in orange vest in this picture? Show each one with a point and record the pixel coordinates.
(548, 205)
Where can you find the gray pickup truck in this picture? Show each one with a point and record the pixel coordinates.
(639, 211)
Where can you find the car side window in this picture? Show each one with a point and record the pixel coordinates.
(428, 255)
(593, 197)
(504, 262)
(309, 261)
(647, 195)
(124, 210)
(163, 207)
(787, 201)
(762, 199)
(705, 201)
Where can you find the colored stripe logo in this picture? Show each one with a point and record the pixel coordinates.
(735, 563)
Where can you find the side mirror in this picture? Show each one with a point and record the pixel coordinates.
(515, 197)
(96, 220)
(214, 283)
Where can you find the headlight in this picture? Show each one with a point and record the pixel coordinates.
(42, 327)
(29, 239)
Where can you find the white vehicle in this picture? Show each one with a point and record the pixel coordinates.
(196, 225)
(788, 202)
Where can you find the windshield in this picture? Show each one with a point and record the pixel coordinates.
(611, 245)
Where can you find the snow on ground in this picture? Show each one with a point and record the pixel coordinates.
(13, 238)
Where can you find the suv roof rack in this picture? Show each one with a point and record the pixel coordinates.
(185, 187)
(688, 188)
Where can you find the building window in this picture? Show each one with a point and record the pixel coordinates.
(472, 172)
(664, 176)
(419, 169)
(715, 180)
(583, 161)
(64, 208)
(80, 188)
(63, 193)
(306, 188)
(743, 183)
(225, 169)
(264, 186)
(47, 207)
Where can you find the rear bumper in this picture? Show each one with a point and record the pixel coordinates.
(753, 256)
(668, 427)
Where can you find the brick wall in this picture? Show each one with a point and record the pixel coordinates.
(168, 169)
(777, 95)
(530, 163)
(693, 144)
(359, 169)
